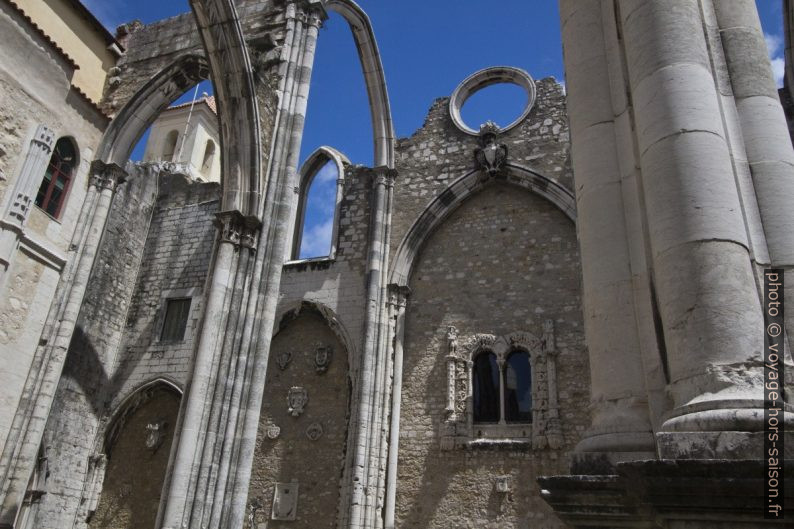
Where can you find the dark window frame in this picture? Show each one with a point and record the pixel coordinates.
(498, 399)
(176, 334)
(58, 168)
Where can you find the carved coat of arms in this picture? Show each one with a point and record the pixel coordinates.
(297, 399)
(322, 358)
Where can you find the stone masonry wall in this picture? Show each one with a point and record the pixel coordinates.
(438, 153)
(26, 102)
(150, 251)
(505, 261)
(291, 456)
(135, 471)
(338, 284)
(84, 392)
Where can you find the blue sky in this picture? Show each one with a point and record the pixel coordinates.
(427, 48)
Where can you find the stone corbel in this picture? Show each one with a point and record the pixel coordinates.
(238, 229)
(383, 176)
(106, 175)
(96, 471)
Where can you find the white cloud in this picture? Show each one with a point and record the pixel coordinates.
(774, 44)
(779, 70)
(316, 240)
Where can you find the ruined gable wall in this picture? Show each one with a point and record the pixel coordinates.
(504, 261)
(438, 153)
(82, 397)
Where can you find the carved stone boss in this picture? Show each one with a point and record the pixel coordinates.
(458, 427)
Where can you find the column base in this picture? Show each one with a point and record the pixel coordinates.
(717, 445)
(697, 432)
(686, 494)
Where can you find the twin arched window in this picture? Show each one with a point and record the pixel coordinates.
(57, 178)
(502, 391)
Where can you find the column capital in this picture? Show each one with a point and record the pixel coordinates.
(106, 175)
(238, 229)
(308, 11)
(383, 175)
(398, 295)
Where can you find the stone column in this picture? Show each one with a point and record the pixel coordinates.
(215, 449)
(23, 194)
(21, 448)
(621, 425)
(763, 123)
(366, 424)
(709, 304)
(400, 299)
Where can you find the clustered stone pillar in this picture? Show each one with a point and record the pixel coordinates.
(22, 446)
(398, 300)
(366, 480)
(645, 95)
(708, 300)
(16, 213)
(213, 456)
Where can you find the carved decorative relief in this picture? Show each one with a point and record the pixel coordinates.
(491, 156)
(155, 434)
(297, 398)
(106, 175)
(322, 358)
(314, 431)
(459, 429)
(283, 359)
(273, 431)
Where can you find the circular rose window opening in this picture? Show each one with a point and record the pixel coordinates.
(502, 94)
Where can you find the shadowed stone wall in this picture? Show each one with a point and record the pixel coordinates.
(291, 456)
(135, 471)
(158, 244)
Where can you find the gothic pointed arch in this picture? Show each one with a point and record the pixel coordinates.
(311, 169)
(238, 111)
(456, 194)
(142, 109)
(375, 79)
(333, 321)
(126, 474)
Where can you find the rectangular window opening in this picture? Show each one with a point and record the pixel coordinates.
(175, 321)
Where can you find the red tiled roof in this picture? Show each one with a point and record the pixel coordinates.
(91, 102)
(207, 100)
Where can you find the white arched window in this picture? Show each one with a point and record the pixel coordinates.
(209, 157)
(320, 194)
(169, 147)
